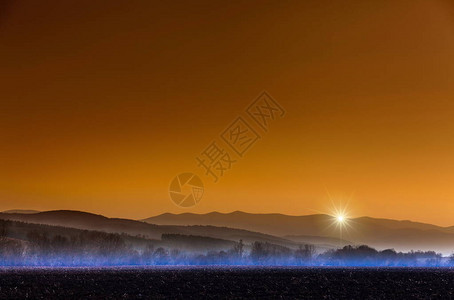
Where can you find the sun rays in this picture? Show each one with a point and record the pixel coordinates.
(341, 221)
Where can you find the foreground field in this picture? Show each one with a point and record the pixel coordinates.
(214, 282)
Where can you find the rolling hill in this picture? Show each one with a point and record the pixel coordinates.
(379, 233)
(289, 231)
(88, 221)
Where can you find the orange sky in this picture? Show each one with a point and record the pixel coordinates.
(103, 102)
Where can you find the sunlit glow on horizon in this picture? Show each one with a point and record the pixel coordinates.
(340, 218)
(339, 213)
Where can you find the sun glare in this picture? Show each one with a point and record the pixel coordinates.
(340, 218)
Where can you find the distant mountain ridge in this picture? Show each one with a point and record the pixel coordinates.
(21, 211)
(280, 224)
(289, 231)
(89, 221)
(381, 233)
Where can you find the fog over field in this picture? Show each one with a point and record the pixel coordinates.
(70, 238)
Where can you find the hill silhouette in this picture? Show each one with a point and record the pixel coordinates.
(381, 233)
(21, 211)
(279, 229)
(89, 221)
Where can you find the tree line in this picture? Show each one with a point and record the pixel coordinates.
(43, 245)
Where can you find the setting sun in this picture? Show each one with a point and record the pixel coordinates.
(340, 218)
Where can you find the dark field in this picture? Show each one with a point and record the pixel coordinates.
(223, 282)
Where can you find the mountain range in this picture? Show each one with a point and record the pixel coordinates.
(380, 233)
(285, 230)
